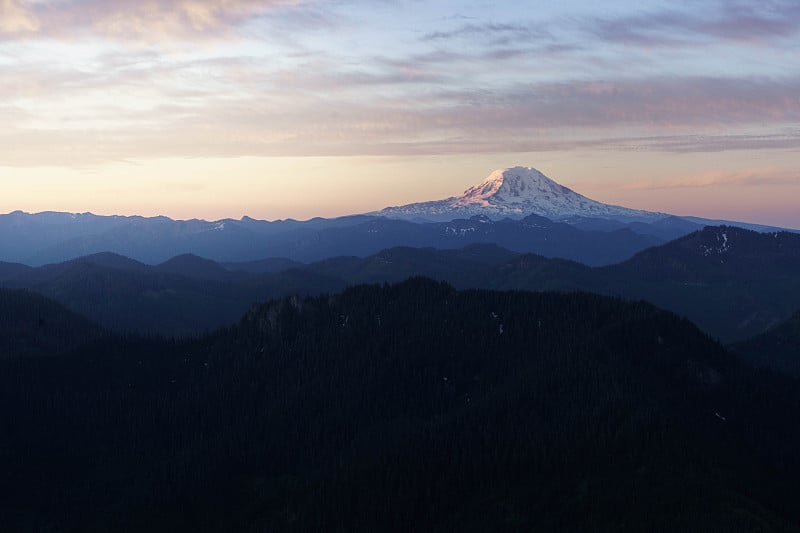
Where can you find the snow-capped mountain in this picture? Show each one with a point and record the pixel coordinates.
(516, 208)
(516, 193)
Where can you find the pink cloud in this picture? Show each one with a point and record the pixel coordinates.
(128, 19)
(16, 17)
(746, 177)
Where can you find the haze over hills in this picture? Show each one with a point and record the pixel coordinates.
(733, 283)
(518, 208)
(184, 296)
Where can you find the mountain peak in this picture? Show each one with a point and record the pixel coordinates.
(517, 192)
(512, 186)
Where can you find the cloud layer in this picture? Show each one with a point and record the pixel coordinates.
(128, 19)
(88, 81)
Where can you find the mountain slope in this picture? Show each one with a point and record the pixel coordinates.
(778, 347)
(463, 267)
(192, 266)
(185, 296)
(532, 234)
(33, 325)
(156, 240)
(12, 270)
(732, 282)
(516, 193)
(263, 266)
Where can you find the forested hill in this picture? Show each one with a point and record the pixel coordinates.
(31, 324)
(732, 283)
(402, 408)
(779, 347)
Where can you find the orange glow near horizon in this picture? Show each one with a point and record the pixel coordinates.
(304, 108)
(302, 188)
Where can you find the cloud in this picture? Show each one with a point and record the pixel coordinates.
(662, 115)
(520, 89)
(17, 18)
(668, 104)
(753, 177)
(130, 107)
(491, 33)
(726, 21)
(694, 143)
(129, 19)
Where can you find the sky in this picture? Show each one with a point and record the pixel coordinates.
(302, 108)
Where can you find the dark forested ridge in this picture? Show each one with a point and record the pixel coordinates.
(778, 348)
(185, 296)
(403, 408)
(731, 282)
(31, 325)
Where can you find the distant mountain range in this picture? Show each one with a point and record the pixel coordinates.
(518, 208)
(733, 283)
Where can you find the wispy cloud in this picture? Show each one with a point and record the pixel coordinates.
(456, 85)
(751, 177)
(492, 33)
(16, 17)
(729, 21)
(128, 19)
(314, 115)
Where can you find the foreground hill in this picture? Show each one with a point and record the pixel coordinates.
(403, 407)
